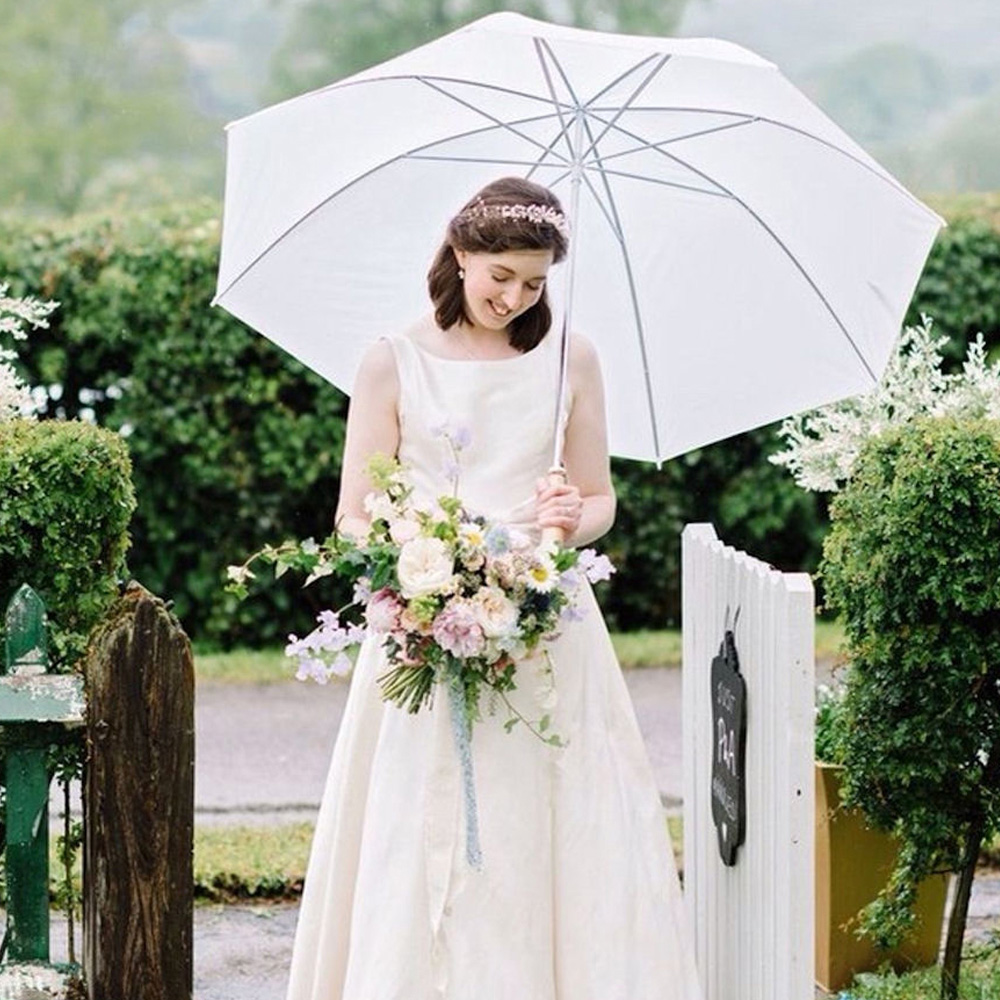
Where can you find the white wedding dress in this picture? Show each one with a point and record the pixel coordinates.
(578, 896)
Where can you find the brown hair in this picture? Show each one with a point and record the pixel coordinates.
(488, 233)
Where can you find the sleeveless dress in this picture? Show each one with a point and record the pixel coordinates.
(578, 896)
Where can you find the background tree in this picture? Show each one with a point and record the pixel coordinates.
(93, 102)
(326, 41)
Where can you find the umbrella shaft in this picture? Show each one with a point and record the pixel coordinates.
(574, 214)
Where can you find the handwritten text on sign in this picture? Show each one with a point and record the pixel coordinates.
(729, 750)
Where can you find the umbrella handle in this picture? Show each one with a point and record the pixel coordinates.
(556, 476)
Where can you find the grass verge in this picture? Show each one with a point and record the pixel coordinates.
(648, 648)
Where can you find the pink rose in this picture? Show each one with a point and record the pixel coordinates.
(383, 610)
(457, 630)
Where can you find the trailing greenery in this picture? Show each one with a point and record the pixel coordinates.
(911, 563)
(234, 444)
(65, 501)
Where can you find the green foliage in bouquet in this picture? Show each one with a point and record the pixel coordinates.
(66, 498)
(911, 565)
(455, 598)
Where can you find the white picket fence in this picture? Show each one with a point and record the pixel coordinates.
(754, 922)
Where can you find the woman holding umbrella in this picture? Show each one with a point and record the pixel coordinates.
(577, 897)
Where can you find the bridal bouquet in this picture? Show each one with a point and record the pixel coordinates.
(456, 599)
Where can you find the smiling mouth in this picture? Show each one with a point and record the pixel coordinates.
(501, 313)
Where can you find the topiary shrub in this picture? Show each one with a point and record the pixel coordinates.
(911, 565)
(66, 498)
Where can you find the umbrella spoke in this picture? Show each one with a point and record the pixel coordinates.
(540, 49)
(616, 224)
(644, 145)
(621, 76)
(499, 122)
(647, 179)
(805, 133)
(625, 106)
(773, 235)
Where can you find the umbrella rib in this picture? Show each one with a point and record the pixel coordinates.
(617, 227)
(442, 79)
(622, 76)
(356, 180)
(614, 219)
(496, 121)
(664, 183)
(774, 236)
(625, 106)
(481, 159)
(887, 179)
(644, 144)
(612, 225)
(563, 133)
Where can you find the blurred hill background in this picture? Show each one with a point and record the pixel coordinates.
(124, 102)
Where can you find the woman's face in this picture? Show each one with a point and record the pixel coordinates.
(500, 286)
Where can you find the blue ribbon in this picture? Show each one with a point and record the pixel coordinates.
(461, 730)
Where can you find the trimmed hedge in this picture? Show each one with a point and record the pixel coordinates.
(911, 564)
(235, 444)
(66, 498)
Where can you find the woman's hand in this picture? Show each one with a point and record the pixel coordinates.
(558, 505)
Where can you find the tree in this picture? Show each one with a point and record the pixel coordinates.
(910, 563)
(327, 41)
(92, 95)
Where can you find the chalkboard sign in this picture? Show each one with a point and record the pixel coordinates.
(729, 737)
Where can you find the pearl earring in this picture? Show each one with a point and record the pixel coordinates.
(461, 274)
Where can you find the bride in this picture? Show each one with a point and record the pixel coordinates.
(577, 897)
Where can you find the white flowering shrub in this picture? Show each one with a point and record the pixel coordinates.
(15, 315)
(823, 444)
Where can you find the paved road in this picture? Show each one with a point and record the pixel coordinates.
(263, 750)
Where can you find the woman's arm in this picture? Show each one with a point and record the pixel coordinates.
(372, 426)
(585, 507)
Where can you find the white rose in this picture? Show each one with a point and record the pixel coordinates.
(495, 612)
(378, 506)
(404, 530)
(425, 566)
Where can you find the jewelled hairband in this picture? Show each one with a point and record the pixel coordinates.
(533, 213)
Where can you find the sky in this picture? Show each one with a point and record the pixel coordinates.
(798, 34)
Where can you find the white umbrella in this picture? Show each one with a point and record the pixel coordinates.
(737, 257)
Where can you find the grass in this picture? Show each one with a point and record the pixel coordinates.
(635, 650)
(233, 862)
(980, 980)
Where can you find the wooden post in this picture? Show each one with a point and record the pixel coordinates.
(139, 805)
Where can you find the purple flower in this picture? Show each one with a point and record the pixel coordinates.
(457, 631)
(595, 567)
(571, 613)
(311, 668)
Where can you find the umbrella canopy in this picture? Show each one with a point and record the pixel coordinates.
(737, 257)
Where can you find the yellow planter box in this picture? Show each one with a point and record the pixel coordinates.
(853, 863)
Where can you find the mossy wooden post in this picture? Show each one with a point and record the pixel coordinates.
(139, 805)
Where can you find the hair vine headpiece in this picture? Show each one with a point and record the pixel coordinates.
(533, 213)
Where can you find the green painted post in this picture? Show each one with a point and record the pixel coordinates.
(27, 854)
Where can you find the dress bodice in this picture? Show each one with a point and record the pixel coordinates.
(502, 413)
